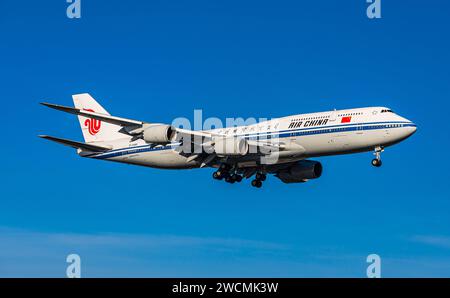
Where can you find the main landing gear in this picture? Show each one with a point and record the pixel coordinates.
(229, 174)
(259, 178)
(225, 172)
(233, 178)
(376, 162)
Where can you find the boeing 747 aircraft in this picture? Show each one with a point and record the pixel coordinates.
(281, 146)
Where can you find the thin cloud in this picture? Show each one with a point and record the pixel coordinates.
(32, 253)
(137, 240)
(434, 240)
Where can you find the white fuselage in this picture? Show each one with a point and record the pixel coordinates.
(303, 136)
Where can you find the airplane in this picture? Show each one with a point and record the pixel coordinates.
(282, 147)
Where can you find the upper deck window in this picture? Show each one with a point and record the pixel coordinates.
(387, 111)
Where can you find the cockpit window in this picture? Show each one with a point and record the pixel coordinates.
(387, 111)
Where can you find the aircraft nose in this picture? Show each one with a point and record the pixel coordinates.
(410, 129)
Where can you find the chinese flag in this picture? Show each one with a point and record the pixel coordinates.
(346, 119)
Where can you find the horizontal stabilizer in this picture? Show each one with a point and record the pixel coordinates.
(76, 145)
(93, 115)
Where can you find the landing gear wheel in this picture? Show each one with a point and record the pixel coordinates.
(237, 178)
(260, 176)
(217, 175)
(376, 162)
(256, 183)
(230, 179)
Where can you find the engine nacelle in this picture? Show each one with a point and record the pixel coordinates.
(231, 146)
(301, 172)
(158, 133)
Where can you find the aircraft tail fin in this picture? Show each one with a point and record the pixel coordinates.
(95, 130)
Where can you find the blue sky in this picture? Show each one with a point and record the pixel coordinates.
(158, 60)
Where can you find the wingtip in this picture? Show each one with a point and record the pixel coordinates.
(59, 107)
(47, 104)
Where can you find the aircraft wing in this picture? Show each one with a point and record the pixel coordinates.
(205, 134)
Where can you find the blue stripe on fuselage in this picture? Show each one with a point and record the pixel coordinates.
(264, 135)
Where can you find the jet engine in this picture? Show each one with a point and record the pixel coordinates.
(158, 133)
(300, 172)
(231, 146)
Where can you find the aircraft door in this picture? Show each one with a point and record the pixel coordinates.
(333, 116)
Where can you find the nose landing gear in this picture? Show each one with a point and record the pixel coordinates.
(376, 162)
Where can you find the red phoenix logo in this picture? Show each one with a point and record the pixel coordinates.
(92, 124)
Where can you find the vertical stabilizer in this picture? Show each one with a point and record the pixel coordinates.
(95, 130)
